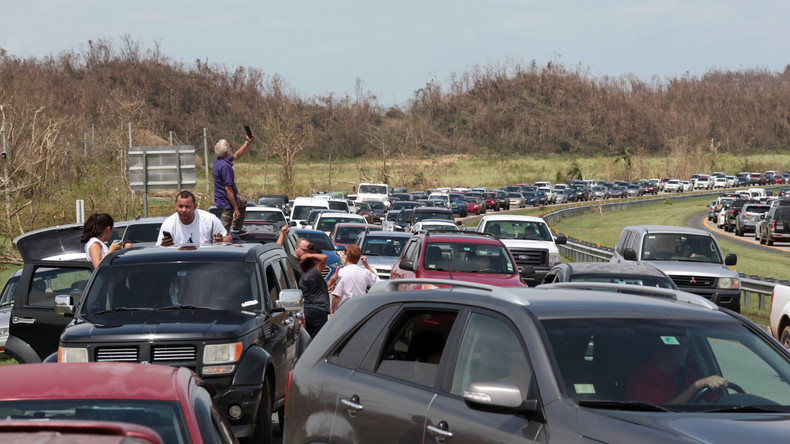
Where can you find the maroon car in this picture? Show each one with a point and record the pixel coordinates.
(173, 401)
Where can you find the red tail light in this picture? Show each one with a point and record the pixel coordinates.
(773, 225)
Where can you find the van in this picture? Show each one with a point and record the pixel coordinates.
(301, 209)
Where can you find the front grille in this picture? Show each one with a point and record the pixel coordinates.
(694, 281)
(167, 353)
(325, 272)
(116, 354)
(530, 256)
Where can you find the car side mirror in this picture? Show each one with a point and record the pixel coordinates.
(64, 305)
(498, 396)
(629, 254)
(289, 300)
(561, 239)
(340, 248)
(292, 223)
(406, 264)
(527, 272)
(458, 222)
(731, 259)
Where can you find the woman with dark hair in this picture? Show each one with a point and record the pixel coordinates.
(314, 289)
(96, 231)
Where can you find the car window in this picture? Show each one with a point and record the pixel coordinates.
(352, 352)
(382, 246)
(273, 281)
(414, 254)
(467, 257)
(680, 247)
(49, 282)
(507, 229)
(490, 351)
(415, 345)
(318, 238)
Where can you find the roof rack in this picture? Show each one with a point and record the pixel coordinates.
(639, 290)
(392, 285)
(461, 232)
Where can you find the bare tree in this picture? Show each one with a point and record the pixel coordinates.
(286, 133)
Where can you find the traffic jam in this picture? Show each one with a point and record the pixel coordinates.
(395, 315)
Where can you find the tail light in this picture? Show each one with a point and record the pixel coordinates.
(773, 225)
(287, 386)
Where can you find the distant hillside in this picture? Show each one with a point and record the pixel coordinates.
(81, 102)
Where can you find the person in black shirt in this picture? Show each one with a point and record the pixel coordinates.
(314, 289)
(296, 258)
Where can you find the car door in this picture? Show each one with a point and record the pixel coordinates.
(388, 395)
(410, 253)
(282, 339)
(35, 329)
(489, 350)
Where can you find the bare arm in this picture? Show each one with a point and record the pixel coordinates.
(243, 148)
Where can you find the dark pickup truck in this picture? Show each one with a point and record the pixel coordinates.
(231, 313)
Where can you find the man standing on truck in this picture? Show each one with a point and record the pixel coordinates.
(226, 195)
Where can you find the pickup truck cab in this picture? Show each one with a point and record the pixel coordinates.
(529, 240)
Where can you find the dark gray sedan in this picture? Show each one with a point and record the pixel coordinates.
(476, 364)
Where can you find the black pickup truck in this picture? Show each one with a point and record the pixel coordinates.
(231, 313)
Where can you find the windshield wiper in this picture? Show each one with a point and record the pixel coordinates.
(186, 306)
(626, 405)
(749, 409)
(117, 309)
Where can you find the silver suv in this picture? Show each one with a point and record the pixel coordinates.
(691, 257)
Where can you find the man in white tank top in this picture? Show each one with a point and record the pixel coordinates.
(191, 227)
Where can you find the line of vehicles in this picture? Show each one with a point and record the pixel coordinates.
(493, 362)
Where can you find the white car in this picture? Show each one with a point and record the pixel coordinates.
(720, 182)
(687, 185)
(326, 221)
(673, 186)
(433, 225)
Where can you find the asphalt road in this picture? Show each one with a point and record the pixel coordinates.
(700, 221)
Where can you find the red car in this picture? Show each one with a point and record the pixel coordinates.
(463, 256)
(173, 401)
(472, 205)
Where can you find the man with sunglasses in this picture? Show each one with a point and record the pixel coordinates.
(226, 195)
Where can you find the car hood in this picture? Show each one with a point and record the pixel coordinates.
(693, 268)
(686, 426)
(50, 242)
(524, 243)
(383, 262)
(141, 325)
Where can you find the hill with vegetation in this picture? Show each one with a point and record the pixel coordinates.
(68, 117)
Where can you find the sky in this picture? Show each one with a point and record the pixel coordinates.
(395, 48)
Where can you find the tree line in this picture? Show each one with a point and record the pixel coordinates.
(78, 102)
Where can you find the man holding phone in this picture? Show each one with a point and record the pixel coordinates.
(191, 227)
(226, 195)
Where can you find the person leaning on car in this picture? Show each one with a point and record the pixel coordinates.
(191, 227)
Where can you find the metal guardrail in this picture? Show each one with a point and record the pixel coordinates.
(751, 286)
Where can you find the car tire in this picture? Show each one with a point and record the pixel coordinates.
(738, 232)
(785, 337)
(762, 241)
(263, 420)
(769, 241)
(281, 419)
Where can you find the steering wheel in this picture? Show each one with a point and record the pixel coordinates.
(697, 396)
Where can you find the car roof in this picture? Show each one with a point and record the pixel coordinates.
(668, 229)
(432, 209)
(460, 236)
(93, 380)
(500, 217)
(225, 252)
(623, 269)
(389, 234)
(547, 302)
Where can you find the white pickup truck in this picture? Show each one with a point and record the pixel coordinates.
(780, 314)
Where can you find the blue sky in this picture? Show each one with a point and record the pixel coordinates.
(395, 48)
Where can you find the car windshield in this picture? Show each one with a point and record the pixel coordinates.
(337, 205)
(512, 229)
(348, 234)
(172, 284)
(680, 247)
(262, 216)
(328, 223)
(165, 417)
(317, 238)
(384, 246)
(372, 189)
(377, 205)
(468, 257)
(302, 211)
(271, 201)
(422, 215)
(640, 360)
(399, 205)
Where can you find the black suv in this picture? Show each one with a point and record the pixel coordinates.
(422, 213)
(732, 213)
(227, 312)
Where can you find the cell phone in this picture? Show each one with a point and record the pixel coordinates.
(248, 130)
(167, 234)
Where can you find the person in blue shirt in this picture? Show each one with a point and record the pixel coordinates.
(226, 195)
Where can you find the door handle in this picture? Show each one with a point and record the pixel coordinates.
(352, 405)
(28, 321)
(440, 431)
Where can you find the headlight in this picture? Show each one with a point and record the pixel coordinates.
(730, 283)
(337, 264)
(222, 353)
(554, 259)
(4, 331)
(72, 354)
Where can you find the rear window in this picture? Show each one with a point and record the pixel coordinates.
(468, 257)
(507, 229)
(422, 215)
